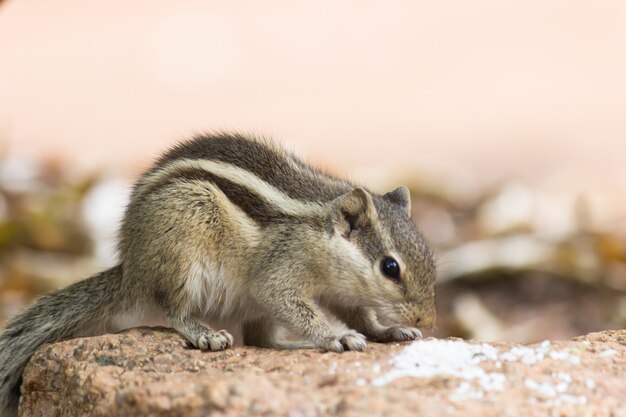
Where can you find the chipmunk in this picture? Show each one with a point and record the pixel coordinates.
(226, 227)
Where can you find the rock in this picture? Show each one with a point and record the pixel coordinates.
(152, 372)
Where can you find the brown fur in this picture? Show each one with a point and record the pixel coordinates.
(232, 229)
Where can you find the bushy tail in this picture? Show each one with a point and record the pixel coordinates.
(72, 311)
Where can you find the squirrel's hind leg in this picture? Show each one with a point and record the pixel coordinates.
(201, 335)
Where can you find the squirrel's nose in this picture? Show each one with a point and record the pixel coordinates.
(425, 322)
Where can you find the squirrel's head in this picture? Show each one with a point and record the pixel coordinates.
(382, 260)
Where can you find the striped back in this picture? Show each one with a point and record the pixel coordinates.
(265, 181)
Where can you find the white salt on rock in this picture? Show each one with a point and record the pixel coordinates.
(432, 358)
(456, 358)
(608, 352)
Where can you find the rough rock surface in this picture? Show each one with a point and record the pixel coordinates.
(151, 372)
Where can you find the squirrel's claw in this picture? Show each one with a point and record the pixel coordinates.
(215, 341)
(350, 340)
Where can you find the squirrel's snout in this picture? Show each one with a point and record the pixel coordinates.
(413, 314)
(425, 323)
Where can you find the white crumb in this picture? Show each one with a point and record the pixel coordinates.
(607, 353)
(333, 368)
(573, 399)
(561, 387)
(573, 360)
(564, 376)
(465, 391)
(543, 390)
(559, 355)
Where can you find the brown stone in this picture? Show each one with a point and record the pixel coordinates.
(152, 372)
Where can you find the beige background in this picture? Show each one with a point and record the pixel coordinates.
(498, 89)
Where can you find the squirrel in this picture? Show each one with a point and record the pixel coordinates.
(233, 228)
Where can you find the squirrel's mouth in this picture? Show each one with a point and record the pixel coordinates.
(406, 314)
(390, 315)
(427, 323)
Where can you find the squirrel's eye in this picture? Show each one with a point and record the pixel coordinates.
(390, 268)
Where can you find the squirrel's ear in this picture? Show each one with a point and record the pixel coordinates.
(400, 196)
(352, 211)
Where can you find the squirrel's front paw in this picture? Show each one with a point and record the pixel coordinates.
(350, 340)
(397, 334)
(215, 341)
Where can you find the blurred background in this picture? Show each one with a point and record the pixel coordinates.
(507, 120)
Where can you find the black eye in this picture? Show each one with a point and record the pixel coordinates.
(390, 268)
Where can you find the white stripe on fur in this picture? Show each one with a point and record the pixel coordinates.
(239, 176)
